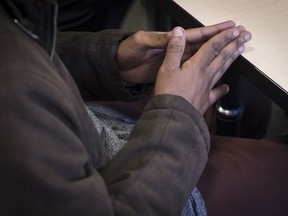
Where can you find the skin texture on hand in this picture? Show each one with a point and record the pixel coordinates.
(140, 56)
(195, 78)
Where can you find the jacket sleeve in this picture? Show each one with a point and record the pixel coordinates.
(91, 60)
(162, 161)
(49, 151)
(51, 158)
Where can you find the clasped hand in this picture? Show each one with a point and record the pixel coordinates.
(184, 63)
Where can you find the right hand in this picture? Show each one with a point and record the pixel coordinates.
(195, 78)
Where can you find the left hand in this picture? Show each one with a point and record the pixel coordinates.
(140, 56)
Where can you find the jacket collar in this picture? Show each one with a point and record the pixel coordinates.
(38, 18)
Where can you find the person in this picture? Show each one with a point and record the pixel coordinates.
(53, 161)
(84, 16)
(223, 184)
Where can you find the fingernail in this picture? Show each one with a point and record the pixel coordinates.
(247, 37)
(236, 33)
(241, 49)
(178, 32)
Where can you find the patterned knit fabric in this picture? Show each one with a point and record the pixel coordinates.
(114, 128)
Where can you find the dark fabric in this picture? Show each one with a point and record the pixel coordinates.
(115, 128)
(95, 69)
(257, 112)
(91, 15)
(162, 138)
(52, 159)
(246, 177)
(254, 122)
(36, 19)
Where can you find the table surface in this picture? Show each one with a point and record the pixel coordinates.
(267, 20)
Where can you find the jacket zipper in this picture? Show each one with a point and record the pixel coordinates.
(36, 37)
(55, 17)
(23, 28)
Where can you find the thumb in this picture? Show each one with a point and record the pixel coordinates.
(175, 48)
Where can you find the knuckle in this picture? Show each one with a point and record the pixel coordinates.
(225, 56)
(138, 36)
(215, 49)
(228, 38)
(175, 47)
(159, 38)
(238, 43)
(203, 35)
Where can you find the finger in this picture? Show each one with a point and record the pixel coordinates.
(202, 34)
(217, 93)
(148, 39)
(212, 48)
(175, 49)
(228, 55)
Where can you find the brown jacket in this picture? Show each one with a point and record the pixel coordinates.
(52, 160)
